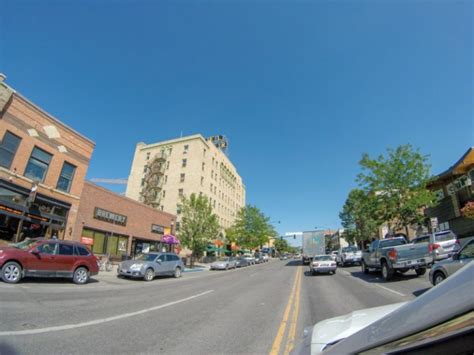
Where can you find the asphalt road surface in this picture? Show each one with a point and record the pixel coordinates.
(262, 309)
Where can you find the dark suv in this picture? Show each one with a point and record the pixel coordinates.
(47, 258)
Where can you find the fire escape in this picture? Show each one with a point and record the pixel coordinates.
(153, 180)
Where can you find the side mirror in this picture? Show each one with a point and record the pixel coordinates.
(456, 256)
(35, 252)
(158, 261)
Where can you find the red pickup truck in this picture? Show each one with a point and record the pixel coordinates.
(47, 258)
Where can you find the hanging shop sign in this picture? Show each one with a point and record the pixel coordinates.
(155, 228)
(110, 217)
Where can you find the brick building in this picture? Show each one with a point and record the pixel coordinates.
(162, 173)
(116, 225)
(43, 163)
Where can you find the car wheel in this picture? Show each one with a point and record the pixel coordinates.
(80, 276)
(421, 271)
(334, 272)
(387, 273)
(438, 278)
(177, 273)
(364, 267)
(149, 275)
(11, 272)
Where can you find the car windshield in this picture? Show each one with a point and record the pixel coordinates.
(322, 258)
(350, 250)
(223, 259)
(25, 245)
(444, 237)
(146, 257)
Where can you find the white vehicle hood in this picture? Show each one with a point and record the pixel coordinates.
(334, 329)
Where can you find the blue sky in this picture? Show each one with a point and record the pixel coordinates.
(300, 88)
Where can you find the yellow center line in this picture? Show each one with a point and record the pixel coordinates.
(281, 330)
(290, 343)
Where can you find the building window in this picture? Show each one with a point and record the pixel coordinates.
(439, 194)
(8, 148)
(38, 164)
(163, 194)
(148, 156)
(180, 192)
(143, 182)
(65, 179)
(162, 207)
(211, 186)
(204, 152)
(181, 178)
(184, 163)
(178, 209)
(178, 225)
(167, 165)
(203, 166)
(186, 149)
(202, 180)
(166, 179)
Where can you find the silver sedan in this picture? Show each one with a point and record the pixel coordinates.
(322, 263)
(224, 263)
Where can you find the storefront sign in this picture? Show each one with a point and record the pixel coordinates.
(155, 228)
(110, 217)
(87, 240)
(11, 210)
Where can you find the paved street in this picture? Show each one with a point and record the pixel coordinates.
(258, 310)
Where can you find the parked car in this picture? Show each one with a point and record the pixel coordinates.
(250, 258)
(283, 257)
(241, 261)
(265, 257)
(259, 258)
(149, 265)
(47, 258)
(334, 255)
(433, 323)
(443, 269)
(442, 244)
(322, 264)
(224, 263)
(394, 254)
(349, 255)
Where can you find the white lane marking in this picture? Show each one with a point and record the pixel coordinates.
(390, 290)
(99, 321)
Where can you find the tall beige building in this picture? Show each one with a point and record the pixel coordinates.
(163, 172)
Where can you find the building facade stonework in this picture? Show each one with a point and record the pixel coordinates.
(43, 163)
(163, 172)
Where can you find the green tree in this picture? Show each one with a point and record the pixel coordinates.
(398, 182)
(199, 226)
(251, 228)
(359, 217)
(282, 245)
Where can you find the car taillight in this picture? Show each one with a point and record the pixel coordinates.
(392, 254)
(432, 247)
